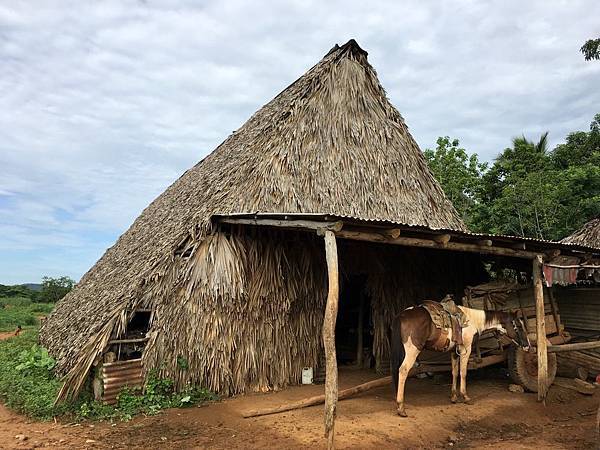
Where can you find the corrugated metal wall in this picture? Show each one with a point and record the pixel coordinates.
(119, 374)
(579, 308)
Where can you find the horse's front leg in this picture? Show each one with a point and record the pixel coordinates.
(410, 356)
(465, 353)
(454, 359)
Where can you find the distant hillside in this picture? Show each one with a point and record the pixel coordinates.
(20, 290)
(33, 286)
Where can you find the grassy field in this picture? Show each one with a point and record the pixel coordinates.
(15, 311)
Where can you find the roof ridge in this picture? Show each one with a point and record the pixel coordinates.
(349, 48)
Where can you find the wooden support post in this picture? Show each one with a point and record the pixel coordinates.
(554, 307)
(331, 310)
(542, 350)
(360, 331)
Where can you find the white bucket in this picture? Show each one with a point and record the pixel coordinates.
(307, 375)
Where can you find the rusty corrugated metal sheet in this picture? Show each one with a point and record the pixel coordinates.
(118, 375)
(580, 308)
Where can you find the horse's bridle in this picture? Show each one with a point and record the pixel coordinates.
(518, 331)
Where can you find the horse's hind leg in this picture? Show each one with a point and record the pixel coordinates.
(454, 359)
(411, 353)
(464, 364)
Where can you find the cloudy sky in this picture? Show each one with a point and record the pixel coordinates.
(103, 104)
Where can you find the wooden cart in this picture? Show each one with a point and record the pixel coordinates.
(493, 348)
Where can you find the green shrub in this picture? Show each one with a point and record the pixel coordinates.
(29, 386)
(27, 383)
(158, 394)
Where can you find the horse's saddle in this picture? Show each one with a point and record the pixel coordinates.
(446, 316)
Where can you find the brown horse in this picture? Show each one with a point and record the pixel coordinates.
(413, 330)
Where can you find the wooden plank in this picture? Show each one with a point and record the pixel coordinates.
(487, 361)
(542, 353)
(529, 311)
(128, 341)
(576, 385)
(329, 320)
(318, 399)
(550, 325)
(572, 347)
(293, 224)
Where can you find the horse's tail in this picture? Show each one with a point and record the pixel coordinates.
(397, 351)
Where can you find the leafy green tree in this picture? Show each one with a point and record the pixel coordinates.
(578, 161)
(591, 49)
(528, 206)
(53, 289)
(580, 148)
(458, 173)
(517, 192)
(528, 190)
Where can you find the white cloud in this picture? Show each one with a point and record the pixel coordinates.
(103, 105)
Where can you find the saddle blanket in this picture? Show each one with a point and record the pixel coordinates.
(443, 319)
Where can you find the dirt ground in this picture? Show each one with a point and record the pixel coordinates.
(498, 419)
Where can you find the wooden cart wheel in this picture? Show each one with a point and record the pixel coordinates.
(522, 367)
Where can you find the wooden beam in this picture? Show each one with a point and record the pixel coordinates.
(573, 347)
(552, 253)
(394, 233)
(294, 224)
(128, 341)
(554, 308)
(485, 242)
(574, 266)
(329, 320)
(518, 246)
(442, 239)
(318, 399)
(428, 243)
(542, 351)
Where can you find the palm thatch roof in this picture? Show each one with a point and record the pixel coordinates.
(588, 235)
(330, 143)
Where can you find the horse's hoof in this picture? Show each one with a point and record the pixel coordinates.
(454, 399)
(469, 401)
(402, 413)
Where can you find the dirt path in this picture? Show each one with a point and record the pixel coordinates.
(498, 419)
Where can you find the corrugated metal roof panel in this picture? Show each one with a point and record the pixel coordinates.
(416, 227)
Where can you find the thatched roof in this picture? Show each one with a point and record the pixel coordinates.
(588, 235)
(330, 143)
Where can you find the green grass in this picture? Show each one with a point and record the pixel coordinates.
(22, 311)
(29, 386)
